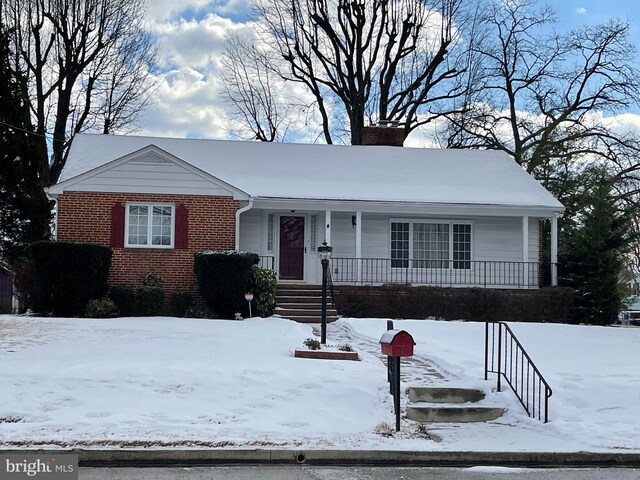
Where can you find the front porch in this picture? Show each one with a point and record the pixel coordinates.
(452, 247)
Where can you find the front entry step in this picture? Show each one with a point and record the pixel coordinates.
(302, 303)
(450, 405)
(450, 414)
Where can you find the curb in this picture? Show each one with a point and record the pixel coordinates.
(176, 458)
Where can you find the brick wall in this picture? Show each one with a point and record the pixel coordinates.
(86, 217)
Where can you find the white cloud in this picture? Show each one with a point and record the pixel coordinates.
(581, 11)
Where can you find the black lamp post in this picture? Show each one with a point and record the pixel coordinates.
(325, 254)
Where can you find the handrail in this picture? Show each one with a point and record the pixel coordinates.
(510, 360)
(330, 285)
(443, 272)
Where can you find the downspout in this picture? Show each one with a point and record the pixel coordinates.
(239, 212)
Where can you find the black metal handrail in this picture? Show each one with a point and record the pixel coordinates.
(505, 356)
(330, 287)
(473, 273)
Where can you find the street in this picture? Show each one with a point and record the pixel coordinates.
(269, 472)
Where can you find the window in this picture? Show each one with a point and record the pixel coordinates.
(270, 232)
(313, 233)
(399, 244)
(431, 244)
(149, 225)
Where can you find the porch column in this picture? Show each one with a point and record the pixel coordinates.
(327, 227)
(554, 250)
(359, 246)
(525, 251)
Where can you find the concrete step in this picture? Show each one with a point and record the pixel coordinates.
(429, 413)
(307, 318)
(445, 395)
(315, 312)
(300, 293)
(300, 299)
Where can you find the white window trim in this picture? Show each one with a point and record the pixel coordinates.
(149, 228)
(411, 260)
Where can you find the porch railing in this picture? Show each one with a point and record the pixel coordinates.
(505, 356)
(473, 273)
(267, 261)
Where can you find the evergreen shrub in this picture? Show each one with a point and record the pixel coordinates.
(223, 279)
(149, 301)
(180, 303)
(67, 275)
(124, 298)
(101, 308)
(263, 282)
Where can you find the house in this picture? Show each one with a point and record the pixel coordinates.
(418, 216)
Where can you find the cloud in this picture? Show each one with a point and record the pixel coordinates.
(581, 11)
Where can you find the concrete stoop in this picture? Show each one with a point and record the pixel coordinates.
(302, 303)
(449, 405)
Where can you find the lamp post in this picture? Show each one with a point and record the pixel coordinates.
(325, 254)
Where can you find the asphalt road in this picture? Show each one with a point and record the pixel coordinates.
(356, 473)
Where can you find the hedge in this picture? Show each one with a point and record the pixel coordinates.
(67, 275)
(223, 279)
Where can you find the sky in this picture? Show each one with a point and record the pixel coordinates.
(191, 33)
(195, 383)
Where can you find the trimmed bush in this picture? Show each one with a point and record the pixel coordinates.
(67, 275)
(124, 298)
(149, 301)
(101, 308)
(223, 279)
(263, 282)
(180, 303)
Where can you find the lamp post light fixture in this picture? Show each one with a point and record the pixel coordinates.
(325, 254)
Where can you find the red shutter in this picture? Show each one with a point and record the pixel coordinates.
(117, 225)
(182, 227)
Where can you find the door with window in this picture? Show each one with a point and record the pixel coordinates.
(291, 248)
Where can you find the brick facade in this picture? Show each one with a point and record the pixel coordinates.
(86, 217)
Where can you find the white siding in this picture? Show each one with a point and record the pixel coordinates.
(343, 235)
(151, 174)
(251, 237)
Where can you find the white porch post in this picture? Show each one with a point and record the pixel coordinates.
(554, 250)
(359, 246)
(327, 227)
(525, 251)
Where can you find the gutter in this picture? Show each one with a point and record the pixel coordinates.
(239, 212)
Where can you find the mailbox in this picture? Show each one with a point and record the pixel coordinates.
(397, 343)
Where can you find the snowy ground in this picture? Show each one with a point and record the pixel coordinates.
(139, 382)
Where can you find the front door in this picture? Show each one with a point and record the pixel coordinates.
(292, 248)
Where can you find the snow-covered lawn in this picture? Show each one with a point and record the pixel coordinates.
(139, 382)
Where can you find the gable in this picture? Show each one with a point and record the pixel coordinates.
(149, 170)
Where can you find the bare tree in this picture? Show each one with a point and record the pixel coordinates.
(87, 66)
(540, 95)
(393, 60)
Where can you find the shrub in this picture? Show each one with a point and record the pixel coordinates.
(101, 308)
(263, 282)
(124, 298)
(180, 303)
(346, 348)
(312, 343)
(152, 280)
(149, 301)
(67, 275)
(223, 279)
(199, 312)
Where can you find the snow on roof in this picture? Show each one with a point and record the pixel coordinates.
(335, 172)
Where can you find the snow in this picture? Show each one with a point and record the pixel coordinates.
(370, 173)
(168, 382)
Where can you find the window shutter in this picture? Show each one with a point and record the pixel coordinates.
(182, 227)
(117, 225)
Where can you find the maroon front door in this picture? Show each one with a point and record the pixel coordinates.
(291, 248)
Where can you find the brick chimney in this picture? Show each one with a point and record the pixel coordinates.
(385, 133)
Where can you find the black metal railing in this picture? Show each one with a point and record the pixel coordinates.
(267, 261)
(473, 273)
(330, 287)
(505, 356)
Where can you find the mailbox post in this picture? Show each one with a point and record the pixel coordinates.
(396, 344)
